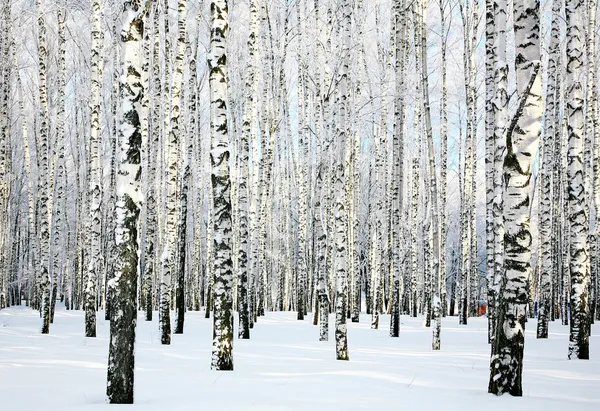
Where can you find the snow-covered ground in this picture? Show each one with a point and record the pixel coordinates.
(285, 367)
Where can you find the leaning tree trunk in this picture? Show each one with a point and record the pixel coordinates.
(578, 247)
(522, 139)
(121, 351)
(222, 358)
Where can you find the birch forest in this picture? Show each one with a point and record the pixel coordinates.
(417, 167)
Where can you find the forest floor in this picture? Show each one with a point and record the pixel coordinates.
(285, 367)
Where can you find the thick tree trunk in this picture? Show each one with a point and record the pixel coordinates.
(522, 140)
(222, 358)
(121, 353)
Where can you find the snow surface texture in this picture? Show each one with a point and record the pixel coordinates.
(284, 367)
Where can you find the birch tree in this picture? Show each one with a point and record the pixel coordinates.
(341, 342)
(593, 126)
(490, 60)
(522, 139)
(249, 124)
(432, 184)
(95, 191)
(44, 214)
(58, 225)
(545, 304)
(222, 358)
(121, 349)
(151, 204)
(578, 247)
(398, 155)
(500, 120)
(180, 243)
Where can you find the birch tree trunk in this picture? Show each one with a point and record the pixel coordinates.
(5, 150)
(121, 351)
(578, 248)
(490, 62)
(544, 302)
(466, 226)
(222, 358)
(179, 245)
(341, 342)
(443, 158)
(151, 203)
(58, 226)
(398, 159)
(302, 183)
(44, 215)
(95, 191)
(112, 187)
(169, 253)
(500, 120)
(433, 188)
(594, 125)
(522, 140)
(248, 125)
(473, 285)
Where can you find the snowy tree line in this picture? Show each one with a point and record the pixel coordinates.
(394, 157)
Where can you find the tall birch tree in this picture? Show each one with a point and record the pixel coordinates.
(44, 173)
(121, 349)
(578, 248)
(545, 304)
(95, 191)
(222, 358)
(341, 342)
(522, 138)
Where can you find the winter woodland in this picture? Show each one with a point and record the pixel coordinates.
(248, 169)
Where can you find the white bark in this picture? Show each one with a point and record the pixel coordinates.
(121, 354)
(522, 140)
(578, 248)
(222, 358)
